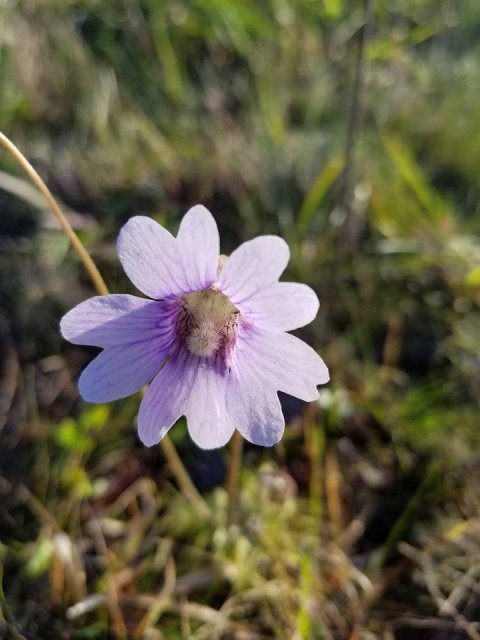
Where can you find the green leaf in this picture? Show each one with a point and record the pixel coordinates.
(333, 8)
(76, 480)
(71, 437)
(317, 192)
(414, 176)
(40, 558)
(95, 417)
(472, 279)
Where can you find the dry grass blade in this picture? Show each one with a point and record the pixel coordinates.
(119, 628)
(444, 605)
(159, 603)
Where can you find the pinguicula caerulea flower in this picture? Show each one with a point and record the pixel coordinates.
(212, 339)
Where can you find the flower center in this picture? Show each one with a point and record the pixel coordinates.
(207, 323)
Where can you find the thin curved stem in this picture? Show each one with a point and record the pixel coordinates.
(236, 450)
(181, 474)
(184, 481)
(82, 253)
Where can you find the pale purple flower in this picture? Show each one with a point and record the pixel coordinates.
(212, 339)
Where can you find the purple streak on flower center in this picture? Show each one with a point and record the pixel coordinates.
(207, 324)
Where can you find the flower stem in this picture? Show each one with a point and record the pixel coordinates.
(83, 254)
(184, 482)
(236, 450)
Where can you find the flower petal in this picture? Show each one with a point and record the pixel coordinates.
(106, 321)
(283, 307)
(256, 264)
(288, 363)
(252, 403)
(119, 371)
(150, 257)
(208, 423)
(165, 399)
(199, 247)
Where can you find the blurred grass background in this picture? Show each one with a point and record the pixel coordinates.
(363, 524)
